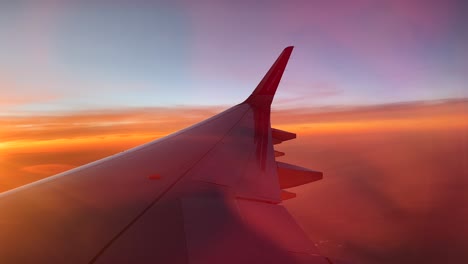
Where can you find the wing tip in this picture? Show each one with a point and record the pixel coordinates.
(266, 89)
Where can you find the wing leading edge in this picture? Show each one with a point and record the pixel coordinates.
(210, 193)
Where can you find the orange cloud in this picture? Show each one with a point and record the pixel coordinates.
(47, 169)
(127, 122)
(438, 115)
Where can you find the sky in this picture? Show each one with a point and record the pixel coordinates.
(375, 90)
(75, 55)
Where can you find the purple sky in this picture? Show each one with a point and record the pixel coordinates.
(74, 55)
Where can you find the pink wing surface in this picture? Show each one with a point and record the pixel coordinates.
(210, 193)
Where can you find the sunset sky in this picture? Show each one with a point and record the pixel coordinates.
(74, 55)
(372, 88)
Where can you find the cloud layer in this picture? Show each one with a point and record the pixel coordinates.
(394, 186)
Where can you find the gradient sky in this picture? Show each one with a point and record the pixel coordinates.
(74, 55)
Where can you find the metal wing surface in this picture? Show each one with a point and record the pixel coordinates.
(210, 193)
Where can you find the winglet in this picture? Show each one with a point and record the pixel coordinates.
(263, 95)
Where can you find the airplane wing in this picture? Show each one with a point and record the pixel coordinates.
(210, 193)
